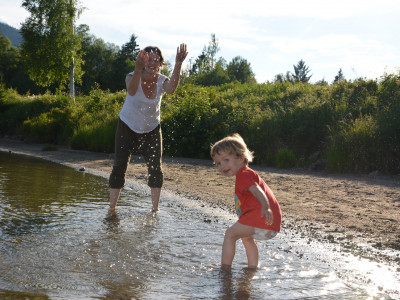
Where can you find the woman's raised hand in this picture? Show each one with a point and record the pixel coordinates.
(181, 53)
(141, 60)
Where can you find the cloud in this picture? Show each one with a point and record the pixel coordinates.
(271, 35)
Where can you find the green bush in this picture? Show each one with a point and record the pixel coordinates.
(55, 126)
(354, 125)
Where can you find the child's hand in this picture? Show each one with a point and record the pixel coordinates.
(259, 194)
(269, 219)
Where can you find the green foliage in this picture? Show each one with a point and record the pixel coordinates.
(97, 116)
(50, 44)
(388, 123)
(9, 59)
(353, 125)
(239, 70)
(285, 158)
(15, 109)
(339, 76)
(98, 136)
(54, 126)
(208, 71)
(188, 120)
(300, 72)
(106, 65)
(2, 96)
(354, 146)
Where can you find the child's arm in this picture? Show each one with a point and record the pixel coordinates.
(259, 194)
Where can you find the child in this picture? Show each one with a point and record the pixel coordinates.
(256, 206)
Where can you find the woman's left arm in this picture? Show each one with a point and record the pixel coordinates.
(171, 84)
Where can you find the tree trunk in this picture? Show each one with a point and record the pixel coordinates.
(72, 80)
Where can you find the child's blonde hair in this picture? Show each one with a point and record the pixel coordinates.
(233, 144)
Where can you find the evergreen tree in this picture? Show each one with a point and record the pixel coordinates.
(124, 63)
(300, 72)
(130, 49)
(339, 76)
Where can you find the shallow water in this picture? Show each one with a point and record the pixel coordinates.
(57, 241)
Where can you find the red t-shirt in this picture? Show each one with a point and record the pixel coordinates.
(247, 206)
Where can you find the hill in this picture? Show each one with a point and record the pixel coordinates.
(12, 33)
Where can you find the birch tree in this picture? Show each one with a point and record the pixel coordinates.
(50, 49)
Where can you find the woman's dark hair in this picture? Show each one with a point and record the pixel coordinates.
(157, 50)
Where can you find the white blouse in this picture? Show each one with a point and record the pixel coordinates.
(140, 113)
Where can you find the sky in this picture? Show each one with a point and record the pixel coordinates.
(360, 37)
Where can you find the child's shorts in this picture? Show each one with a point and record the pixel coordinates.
(264, 234)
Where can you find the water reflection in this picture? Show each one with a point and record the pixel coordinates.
(240, 290)
(58, 239)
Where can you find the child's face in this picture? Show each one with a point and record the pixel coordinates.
(228, 164)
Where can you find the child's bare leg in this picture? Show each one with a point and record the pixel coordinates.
(251, 251)
(232, 234)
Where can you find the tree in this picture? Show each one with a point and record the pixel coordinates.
(9, 59)
(99, 58)
(239, 69)
(130, 49)
(206, 61)
(339, 76)
(51, 47)
(284, 78)
(12, 72)
(216, 76)
(124, 63)
(300, 72)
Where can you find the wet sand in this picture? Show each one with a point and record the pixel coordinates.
(357, 212)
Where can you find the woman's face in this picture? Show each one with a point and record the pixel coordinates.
(153, 65)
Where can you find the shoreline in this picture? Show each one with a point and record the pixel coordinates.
(357, 212)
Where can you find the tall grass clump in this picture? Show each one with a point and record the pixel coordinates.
(388, 123)
(285, 158)
(353, 146)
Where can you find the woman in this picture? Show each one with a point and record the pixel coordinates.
(138, 130)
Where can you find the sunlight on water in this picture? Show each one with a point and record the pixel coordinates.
(57, 239)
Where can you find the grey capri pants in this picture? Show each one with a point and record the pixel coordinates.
(128, 142)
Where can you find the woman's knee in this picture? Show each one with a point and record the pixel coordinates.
(117, 176)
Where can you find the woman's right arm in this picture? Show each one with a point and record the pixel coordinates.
(132, 81)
